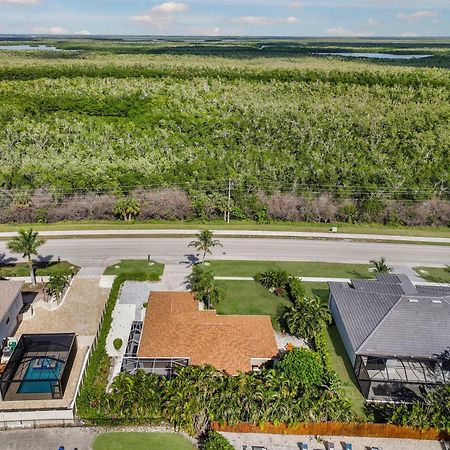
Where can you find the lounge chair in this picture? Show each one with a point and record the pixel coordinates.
(303, 446)
(330, 445)
(348, 446)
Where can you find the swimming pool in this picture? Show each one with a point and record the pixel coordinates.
(41, 375)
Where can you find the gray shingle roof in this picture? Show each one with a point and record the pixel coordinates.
(417, 327)
(390, 316)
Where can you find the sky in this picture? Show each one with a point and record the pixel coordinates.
(405, 18)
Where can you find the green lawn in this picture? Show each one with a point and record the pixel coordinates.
(434, 274)
(41, 269)
(249, 297)
(298, 268)
(235, 225)
(141, 441)
(153, 269)
(341, 364)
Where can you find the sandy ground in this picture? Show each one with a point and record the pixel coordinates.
(286, 442)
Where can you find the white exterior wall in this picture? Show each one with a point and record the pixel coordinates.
(9, 321)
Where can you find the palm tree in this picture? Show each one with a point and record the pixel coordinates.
(380, 265)
(205, 243)
(27, 243)
(307, 317)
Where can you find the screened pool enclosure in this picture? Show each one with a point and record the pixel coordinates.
(39, 367)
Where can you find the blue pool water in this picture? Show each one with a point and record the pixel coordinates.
(41, 369)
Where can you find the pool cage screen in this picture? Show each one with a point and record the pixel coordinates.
(39, 367)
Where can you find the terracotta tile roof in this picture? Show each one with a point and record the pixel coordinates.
(175, 327)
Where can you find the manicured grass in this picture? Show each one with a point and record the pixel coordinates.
(153, 269)
(341, 364)
(141, 441)
(249, 297)
(298, 268)
(434, 274)
(244, 225)
(42, 269)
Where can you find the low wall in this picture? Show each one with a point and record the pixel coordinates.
(337, 429)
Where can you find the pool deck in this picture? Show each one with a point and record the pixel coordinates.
(80, 313)
(69, 395)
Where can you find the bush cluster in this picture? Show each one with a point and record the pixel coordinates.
(176, 204)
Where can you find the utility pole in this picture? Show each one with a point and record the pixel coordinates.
(229, 200)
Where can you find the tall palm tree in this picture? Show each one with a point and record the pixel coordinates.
(205, 243)
(27, 243)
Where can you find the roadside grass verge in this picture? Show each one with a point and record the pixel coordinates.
(434, 274)
(342, 366)
(142, 440)
(42, 269)
(152, 269)
(297, 268)
(241, 225)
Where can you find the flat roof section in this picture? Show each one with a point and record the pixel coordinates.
(174, 327)
(8, 293)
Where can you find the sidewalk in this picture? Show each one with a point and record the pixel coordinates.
(236, 233)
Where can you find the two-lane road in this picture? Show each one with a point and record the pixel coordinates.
(105, 251)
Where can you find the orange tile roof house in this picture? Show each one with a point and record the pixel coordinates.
(175, 328)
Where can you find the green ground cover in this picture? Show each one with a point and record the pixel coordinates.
(41, 269)
(434, 274)
(341, 364)
(375, 229)
(141, 441)
(153, 270)
(297, 268)
(249, 297)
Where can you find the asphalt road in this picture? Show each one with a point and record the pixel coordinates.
(105, 251)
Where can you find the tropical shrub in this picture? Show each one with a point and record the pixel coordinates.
(380, 265)
(307, 317)
(117, 343)
(201, 281)
(127, 208)
(273, 279)
(303, 365)
(56, 284)
(215, 441)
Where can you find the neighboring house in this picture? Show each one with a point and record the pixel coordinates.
(176, 333)
(396, 334)
(11, 303)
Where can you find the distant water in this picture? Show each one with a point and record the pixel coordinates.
(30, 47)
(373, 55)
